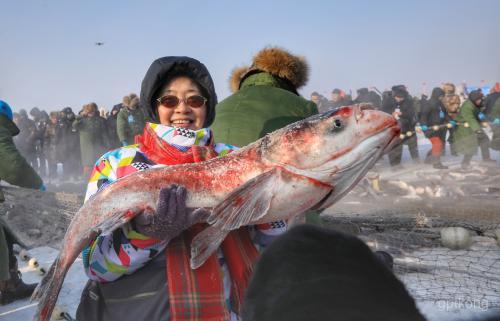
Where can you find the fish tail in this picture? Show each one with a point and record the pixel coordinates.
(47, 291)
(205, 244)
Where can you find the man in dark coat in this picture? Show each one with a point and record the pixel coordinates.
(40, 126)
(25, 141)
(15, 170)
(111, 125)
(52, 144)
(433, 117)
(400, 104)
(69, 139)
(339, 98)
(320, 101)
(368, 96)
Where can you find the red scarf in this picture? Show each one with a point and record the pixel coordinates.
(197, 295)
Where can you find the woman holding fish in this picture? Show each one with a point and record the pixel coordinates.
(141, 271)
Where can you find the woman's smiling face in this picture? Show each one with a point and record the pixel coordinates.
(182, 115)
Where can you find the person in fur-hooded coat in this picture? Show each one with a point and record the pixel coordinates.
(264, 98)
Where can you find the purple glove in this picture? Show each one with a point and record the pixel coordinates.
(172, 216)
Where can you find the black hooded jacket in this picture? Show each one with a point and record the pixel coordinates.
(164, 69)
(434, 113)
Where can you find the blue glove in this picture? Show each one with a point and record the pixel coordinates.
(424, 128)
(124, 143)
(43, 188)
(481, 116)
(496, 121)
(441, 114)
(453, 123)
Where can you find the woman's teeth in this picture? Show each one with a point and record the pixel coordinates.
(182, 122)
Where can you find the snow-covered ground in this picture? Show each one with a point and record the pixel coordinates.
(446, 307)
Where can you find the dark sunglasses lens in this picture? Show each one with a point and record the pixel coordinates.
(169, 101)
(196, 101)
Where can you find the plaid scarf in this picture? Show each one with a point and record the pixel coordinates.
(197, 295)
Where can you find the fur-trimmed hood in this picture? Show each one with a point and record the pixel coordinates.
(277, 62)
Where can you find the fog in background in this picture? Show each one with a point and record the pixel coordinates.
(48, 56)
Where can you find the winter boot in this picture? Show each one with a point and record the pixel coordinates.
(14, 288)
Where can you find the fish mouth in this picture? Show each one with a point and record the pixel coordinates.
(346, 178)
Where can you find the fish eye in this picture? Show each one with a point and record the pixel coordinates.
(337, 124)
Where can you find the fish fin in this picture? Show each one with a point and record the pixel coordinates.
(47, 291)
(248, 203)
(109, 225)
(205, 244)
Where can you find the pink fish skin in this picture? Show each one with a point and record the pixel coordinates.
(308, 164)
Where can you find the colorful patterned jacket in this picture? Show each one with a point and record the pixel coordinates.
(124, 251)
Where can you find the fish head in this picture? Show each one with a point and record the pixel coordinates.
(336, 147)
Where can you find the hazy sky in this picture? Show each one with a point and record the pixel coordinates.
(48, 57)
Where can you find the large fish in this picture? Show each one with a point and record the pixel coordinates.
(308, 164)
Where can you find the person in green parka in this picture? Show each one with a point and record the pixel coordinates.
(93, 136)
(15, 170)
(468, 137)
(264, 99)
(493, 111)
(130, 121)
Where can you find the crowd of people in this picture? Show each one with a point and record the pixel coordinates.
(447, 116)
(141, 271)
(75, 140)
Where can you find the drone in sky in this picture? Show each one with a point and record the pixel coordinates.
(99, 43)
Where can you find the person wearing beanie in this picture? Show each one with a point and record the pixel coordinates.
(468, 137)
(434, 114)
(264, 98)
(321, 102)
(16, 171)
(130, 121)
(400, 104)
(339, 98)
(141, 271)
(316, 274)
(368, 96)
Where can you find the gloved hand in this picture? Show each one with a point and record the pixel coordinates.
(172, 216)
(481, 116)
(496, 121)
(424, 128)
(453, 123)
(480, 134)
(43, 188)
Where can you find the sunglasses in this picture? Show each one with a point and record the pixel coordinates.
(171, 101)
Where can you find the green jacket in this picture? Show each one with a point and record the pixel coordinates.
(495, 113)
(262, 105)
(13, 167)
(93, 138)
(465, 137)
(130, 123)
